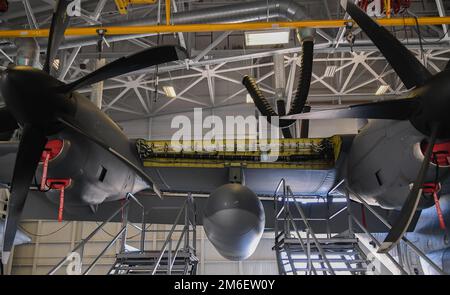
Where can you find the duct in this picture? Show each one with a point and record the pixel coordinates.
(235, 13)
(27, 52)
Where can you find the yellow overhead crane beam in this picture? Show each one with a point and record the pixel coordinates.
(131, 30)
(122, 5)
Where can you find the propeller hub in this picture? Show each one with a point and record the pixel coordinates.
(29, 95)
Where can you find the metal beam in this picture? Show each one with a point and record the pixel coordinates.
(211, 88)
(95, 16)
(211, 46)
(441, 11)
(30, 14)
(180, 35)
(131, 30)
(5, 55)
(179, 96)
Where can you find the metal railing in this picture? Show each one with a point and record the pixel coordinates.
(287, 197)
(189, 243)
(121, 235)
(398, 263)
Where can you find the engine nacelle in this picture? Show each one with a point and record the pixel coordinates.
(234, 221)
(384, 161)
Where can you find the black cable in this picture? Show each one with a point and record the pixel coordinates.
(404, 27)
(44, 235)
(417, 28)
(128, 238)
(420, 36)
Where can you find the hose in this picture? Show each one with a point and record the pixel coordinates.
(259, 99)
(298, 103)
(305, 78)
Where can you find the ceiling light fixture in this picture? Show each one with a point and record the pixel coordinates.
(382, 90)
(170, 91)
(330, 71)
(255, 38)
(248, 98)
(56, 63)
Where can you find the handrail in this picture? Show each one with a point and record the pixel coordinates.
(124, 206)
(388, 255)
(405, 239)
(169, 238)
(91, 266)
(177, 247)
(142, 242)
(281, 182)
(311, 232)
(285, 200)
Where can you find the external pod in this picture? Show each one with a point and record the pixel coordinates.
(234, 221)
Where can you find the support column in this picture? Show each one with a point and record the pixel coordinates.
(279, 77)
(97, 88)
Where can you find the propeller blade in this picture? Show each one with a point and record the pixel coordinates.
(141, 60)
(60, 21)
(129, 163)
(399, 109)
(408, 68)
(27, 159)
(7, 121)
(410, 206)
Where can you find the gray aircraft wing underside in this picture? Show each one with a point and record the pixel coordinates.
(164, 211)
(261, 181)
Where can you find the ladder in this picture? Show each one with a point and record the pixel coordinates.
(343, 254)
(177, 256)
(178, 260)
(299, 250)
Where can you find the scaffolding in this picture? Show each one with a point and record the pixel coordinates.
(175, 256)
(299, 250)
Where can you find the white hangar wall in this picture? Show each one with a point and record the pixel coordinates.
(159, 127)
(45, 251)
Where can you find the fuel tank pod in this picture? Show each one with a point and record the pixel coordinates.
(234, 221)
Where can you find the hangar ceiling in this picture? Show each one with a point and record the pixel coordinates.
(212, 77)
